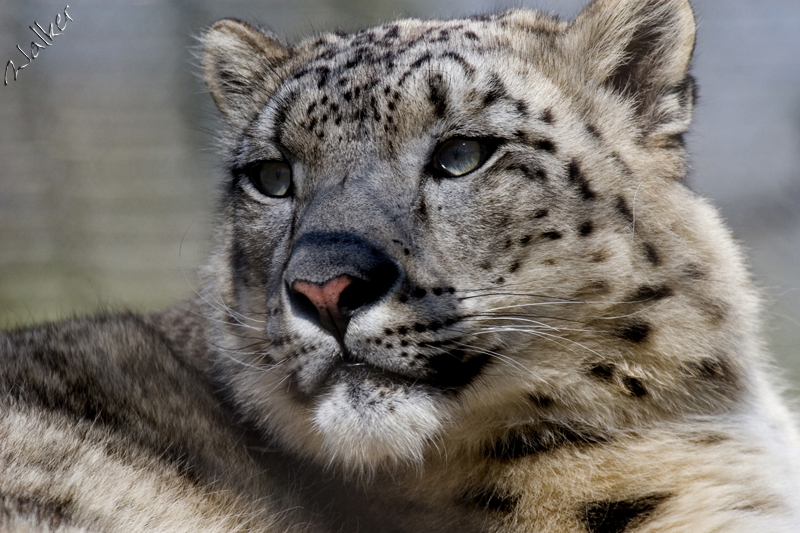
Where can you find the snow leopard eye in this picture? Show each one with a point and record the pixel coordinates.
(272, 178)
(459, 156)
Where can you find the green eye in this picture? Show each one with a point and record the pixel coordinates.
(272, 178)
(457, 157)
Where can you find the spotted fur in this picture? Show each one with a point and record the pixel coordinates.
(563, 339)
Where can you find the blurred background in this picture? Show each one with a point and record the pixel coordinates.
(108, 172)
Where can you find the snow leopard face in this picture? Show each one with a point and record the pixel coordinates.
(435, 231)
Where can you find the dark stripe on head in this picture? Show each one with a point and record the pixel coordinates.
(421, 61)
(497, 91)
(468, 69)
(619, 516)
(437, 95)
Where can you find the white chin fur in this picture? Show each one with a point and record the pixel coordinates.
(364, 426)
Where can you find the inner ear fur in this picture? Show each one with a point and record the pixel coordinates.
(642, 51)
(241, 66)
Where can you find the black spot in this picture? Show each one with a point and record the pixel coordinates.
(402, 330)
(419, 292)
(525, 240)
(348, 95)
(715, 370)
(577, 178)
(622, 207)
(471, 35)
(388, 331)
(675, 141)
(545, 145)
(547, 116)
(437, 291)
(403, 298)
(541, 402)
(514, 267)
(648, 293)
(694, 271)
(499, 280)
(651, 253)
(541, 213)
(406, 251)
(554, 235)
(420, 328)
(404, 343)
(634, 386)
(586, 228)
(435, 325)
(522, 108)
(393, 32)
(323, 73)
(492, 500)
(619, 516)
(603, 371)
(592, 131)
(636, 332)
(311, 108)
(451, 290)
(528, 440)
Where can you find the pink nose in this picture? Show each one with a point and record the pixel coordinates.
(325, 298)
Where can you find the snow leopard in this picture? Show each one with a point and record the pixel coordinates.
(460, 284)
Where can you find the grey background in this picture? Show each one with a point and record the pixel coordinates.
(108, 175)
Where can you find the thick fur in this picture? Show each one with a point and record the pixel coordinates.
(563, 340)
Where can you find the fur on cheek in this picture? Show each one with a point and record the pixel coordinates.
(363, 426)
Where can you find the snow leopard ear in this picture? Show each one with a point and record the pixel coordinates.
(640, 50)
(241, 65)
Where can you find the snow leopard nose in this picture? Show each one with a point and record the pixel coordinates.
(332, 276)
(326, 298)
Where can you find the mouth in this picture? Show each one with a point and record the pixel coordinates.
(349, 367)
(445, 372)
